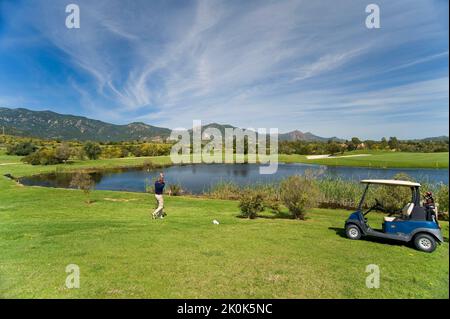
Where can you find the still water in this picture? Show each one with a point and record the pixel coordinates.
(198, 178)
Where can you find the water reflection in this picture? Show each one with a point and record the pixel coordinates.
(200, 177)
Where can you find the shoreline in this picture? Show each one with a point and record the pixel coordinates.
(152, 165)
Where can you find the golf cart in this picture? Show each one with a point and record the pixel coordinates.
(414, 222)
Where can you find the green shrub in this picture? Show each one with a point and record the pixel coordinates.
(78, 153)
(272, 205)
(92, 150)
(271, 195)
(21, 149)
(111, 152)
(62, 153)
(442, 198)
(152, 149)
(33, 159)
(136, 151)
(251, 203)
(299, 193)
(333, 193)
(44, 156)
(443, 216)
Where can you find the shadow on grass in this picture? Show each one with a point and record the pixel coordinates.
(277, 215)
(273, 215)
(341, 232)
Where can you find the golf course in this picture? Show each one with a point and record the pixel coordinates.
(208, 158)
(122, 253)
(376, 159)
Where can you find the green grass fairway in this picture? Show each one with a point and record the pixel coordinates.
(378, 159)
(122, 253)
(13, 165)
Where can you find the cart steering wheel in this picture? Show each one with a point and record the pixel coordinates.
(379, 206)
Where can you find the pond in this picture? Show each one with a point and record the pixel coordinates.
(198, 178)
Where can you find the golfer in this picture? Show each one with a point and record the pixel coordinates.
(159, 189)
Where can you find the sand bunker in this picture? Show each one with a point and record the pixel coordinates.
(312, 157)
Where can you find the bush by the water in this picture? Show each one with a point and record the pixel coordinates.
(149, 165)
(394, 198)
(84, 182)
(336, 193)
(21, 149)
(225, 190)
(299, 193)
(251, 202)
(442, 198)
(175, 189)
(339, 193)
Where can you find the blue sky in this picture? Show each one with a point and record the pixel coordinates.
(307, 65)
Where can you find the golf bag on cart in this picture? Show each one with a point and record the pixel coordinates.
(430, 207)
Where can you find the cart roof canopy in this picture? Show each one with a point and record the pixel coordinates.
(393, 182)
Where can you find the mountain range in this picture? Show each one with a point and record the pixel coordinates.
(51, 125)
(308, 137)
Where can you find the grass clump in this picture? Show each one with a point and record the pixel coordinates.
(339, 193)
(225, 190)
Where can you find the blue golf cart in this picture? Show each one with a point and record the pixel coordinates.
(414, 223)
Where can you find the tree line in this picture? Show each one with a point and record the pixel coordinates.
(53, 152)
(47, 152)
(335, 147)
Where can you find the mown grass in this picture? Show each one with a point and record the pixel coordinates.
(18, 169)
(122, 253)
(377, 159)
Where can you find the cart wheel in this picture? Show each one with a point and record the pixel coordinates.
(425, 242)
(353, 232)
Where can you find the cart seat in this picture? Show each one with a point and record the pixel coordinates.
(407, 210)
(389, 219)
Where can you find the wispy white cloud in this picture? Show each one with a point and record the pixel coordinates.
(418, 61)
(256, 63)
